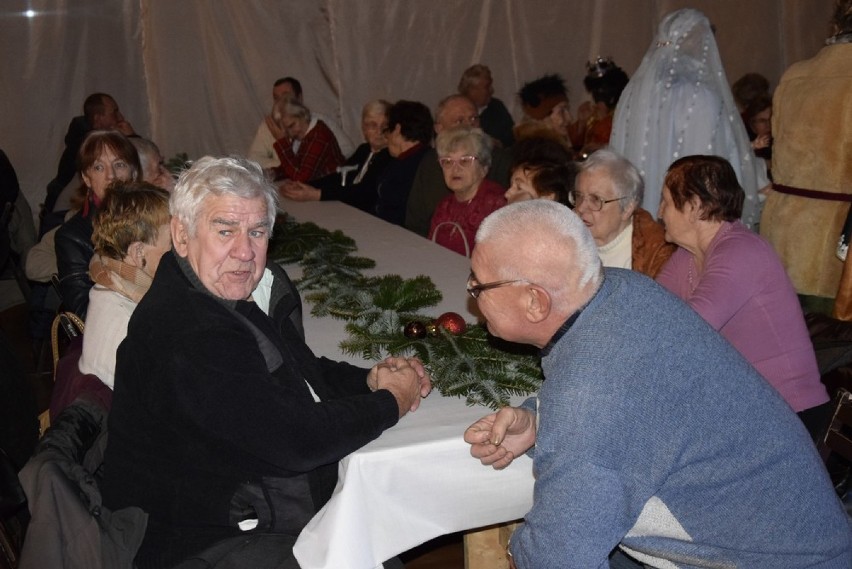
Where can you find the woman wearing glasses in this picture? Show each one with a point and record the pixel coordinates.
(607, 196)
(105, 156)
(464, 155)
(736, 282)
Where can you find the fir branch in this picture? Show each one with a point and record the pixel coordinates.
(474, 365)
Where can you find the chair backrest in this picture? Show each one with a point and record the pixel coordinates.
(65, 328)
(71, 325)
(457, 227)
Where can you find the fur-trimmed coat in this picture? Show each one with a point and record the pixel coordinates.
(812, 130)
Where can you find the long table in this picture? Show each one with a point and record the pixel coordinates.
(417, 481)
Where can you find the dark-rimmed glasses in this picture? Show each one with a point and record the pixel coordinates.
(594, 202)
(475, 290)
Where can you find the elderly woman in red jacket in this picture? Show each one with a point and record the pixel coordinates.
(464, 155)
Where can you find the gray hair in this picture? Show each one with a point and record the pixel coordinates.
(287, 107)
(473, 74)
(442, 104)
(375, 107)
(557, 233)
(625, 177)
(473, 140)
(148, 152)
(229, 176)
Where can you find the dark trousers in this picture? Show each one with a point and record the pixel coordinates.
(259, 551)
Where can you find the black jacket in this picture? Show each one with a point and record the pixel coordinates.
(362, 195)
(221, 437)
(69, 525)
(74, 252)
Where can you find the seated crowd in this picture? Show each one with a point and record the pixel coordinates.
(240, 426)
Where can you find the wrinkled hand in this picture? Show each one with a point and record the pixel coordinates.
(164, 179)
(498, 438)
(277, 131)
(762, 141)
(299, 191)
(422, 375)
(585, 112)
(405, 378)
(125, 128)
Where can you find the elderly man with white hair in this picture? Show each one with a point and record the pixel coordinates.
(307, 148)
(225, 428)
(652, 436)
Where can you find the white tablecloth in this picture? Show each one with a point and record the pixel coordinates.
(417, 481)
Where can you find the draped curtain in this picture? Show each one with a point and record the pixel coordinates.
(196, 75)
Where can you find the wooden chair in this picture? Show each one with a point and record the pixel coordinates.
(838, 440)
(486, 548)
(66, 326)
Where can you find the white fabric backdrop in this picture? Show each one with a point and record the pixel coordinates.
(196, 75)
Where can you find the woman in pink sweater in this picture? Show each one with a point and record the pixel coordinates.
(735, 281)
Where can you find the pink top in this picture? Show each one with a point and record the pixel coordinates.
(459, 221)
(745, 294)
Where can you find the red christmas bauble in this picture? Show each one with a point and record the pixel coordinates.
(452, 323)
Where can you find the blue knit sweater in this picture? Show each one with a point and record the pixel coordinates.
(656, 435)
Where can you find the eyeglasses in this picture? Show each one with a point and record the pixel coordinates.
(594, 202)
(463, 161)
(381, 127)
(476, 290)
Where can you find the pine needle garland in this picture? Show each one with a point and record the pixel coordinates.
(473, 364)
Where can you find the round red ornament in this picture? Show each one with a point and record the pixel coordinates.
(452, 323)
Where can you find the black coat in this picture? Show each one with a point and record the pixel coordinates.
(74, 252)
(203, 435)
(362, 195)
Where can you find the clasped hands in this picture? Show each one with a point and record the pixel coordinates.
(498, 438)
(405, 378)
(298, 191)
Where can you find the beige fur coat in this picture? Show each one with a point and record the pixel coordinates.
(812, 130)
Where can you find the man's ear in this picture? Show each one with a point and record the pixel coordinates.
(180, 236)
(135, 254)
(538, 302)
(629, 211)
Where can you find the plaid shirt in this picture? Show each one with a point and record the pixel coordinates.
(319, 155)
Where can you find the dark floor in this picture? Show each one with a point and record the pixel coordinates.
(445, 552)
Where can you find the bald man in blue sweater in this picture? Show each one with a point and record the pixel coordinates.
(652, 436)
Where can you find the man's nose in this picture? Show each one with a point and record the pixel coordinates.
(242, 249)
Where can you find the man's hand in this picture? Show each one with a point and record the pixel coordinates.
(405, 378)
(498, 438)
(762, 141)
(585, 112)
(299, 191)
(125, 128)
(277, 131)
